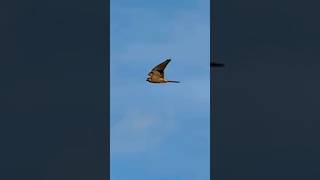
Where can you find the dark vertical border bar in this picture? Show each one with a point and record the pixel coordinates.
(107, 88)
(54, 93)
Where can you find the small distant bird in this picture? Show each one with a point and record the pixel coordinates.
(213, 64)
(157, 73)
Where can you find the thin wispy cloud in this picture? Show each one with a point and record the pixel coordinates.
(139, 132)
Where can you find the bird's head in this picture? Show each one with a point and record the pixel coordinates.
(148, 79)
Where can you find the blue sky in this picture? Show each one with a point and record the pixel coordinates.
(160, 132)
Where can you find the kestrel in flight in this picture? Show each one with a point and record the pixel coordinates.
(157, 73)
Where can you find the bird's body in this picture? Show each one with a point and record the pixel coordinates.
(157, 73)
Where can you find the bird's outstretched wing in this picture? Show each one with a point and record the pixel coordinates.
(159, 69)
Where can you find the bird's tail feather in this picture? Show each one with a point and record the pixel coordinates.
(174, 81)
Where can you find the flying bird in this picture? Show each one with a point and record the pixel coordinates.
(157, 73)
